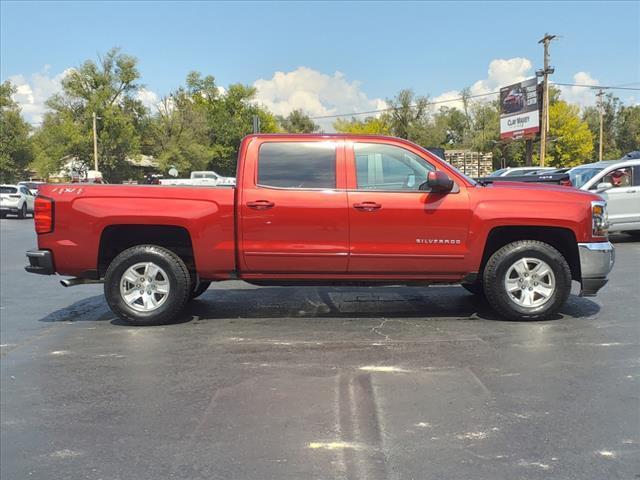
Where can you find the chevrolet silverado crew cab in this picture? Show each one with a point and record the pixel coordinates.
(325, 209)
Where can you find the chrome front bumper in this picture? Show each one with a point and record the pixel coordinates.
(596, 261)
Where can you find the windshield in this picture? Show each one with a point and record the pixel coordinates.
(580, 176)
(497, 173)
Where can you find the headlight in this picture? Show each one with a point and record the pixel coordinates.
(599, 219)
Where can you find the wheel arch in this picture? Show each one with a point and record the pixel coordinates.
(562, 239)
(114, 239)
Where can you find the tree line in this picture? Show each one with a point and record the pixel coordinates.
(199, 126)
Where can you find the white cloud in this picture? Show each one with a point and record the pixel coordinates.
(33, 92)
(315, 93)
(501, 72)
(504, 72)
(149, 99)
(582, 96)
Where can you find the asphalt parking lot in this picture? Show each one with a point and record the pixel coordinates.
(316, 383)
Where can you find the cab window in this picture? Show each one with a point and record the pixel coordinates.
(297, 165)
(389, 168)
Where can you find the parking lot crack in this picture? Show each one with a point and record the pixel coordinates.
(377, 329)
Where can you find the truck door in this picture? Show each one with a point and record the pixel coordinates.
(293, 207)
(395, 228)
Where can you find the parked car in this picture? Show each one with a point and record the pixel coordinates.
(516, 171)
(16, 199)
(618, 182)
(32, 186)
(326, 209)
(209, 178)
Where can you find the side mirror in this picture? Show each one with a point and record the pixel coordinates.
(437, 182)
(601, 187)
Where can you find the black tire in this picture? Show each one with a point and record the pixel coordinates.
(199, 289)
(22, 213)
(177, 275)
(497, 268)
(635, 234)
(475, 288)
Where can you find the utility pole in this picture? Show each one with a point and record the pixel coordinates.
(600, 94)
(95, 143)
(545, 96)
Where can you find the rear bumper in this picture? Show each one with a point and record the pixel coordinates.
(40, 261)
(596, 261)
(8, 209)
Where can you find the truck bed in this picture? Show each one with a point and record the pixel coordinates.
(84, 212)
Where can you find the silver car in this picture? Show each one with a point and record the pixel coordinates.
(618, 182)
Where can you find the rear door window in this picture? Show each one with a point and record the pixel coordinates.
(297, 165)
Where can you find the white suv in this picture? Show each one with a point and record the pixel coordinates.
(618, 182)
(16, 199)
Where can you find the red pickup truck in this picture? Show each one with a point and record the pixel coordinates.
(325, 209)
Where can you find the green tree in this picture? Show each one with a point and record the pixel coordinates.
(298, 122)
(628, 129)
(201, 125)
(179, 134)
(408, 114)
(611, 106)
(108, 88)
(572, 141)
(15, 147)
(369, 126)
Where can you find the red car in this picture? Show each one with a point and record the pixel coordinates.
(325, 209)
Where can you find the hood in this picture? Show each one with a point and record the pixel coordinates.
(521, 188)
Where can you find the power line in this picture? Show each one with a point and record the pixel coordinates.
(458, 99)
(598, 87)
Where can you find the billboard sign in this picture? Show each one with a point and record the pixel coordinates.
(519, 110)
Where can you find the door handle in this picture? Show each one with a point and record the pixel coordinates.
(261, 204)
(367, 206)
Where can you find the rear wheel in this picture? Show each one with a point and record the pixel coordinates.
(527, 280)
(199, 289)
(22, 213)
(147, 285)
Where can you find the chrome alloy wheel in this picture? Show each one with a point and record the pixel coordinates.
(530, 282)
(144, 286)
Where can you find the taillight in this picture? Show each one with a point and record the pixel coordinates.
(43, 215)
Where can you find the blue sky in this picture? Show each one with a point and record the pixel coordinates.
(378, 48)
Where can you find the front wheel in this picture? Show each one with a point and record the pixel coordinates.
(527, 280)
(147, 285)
